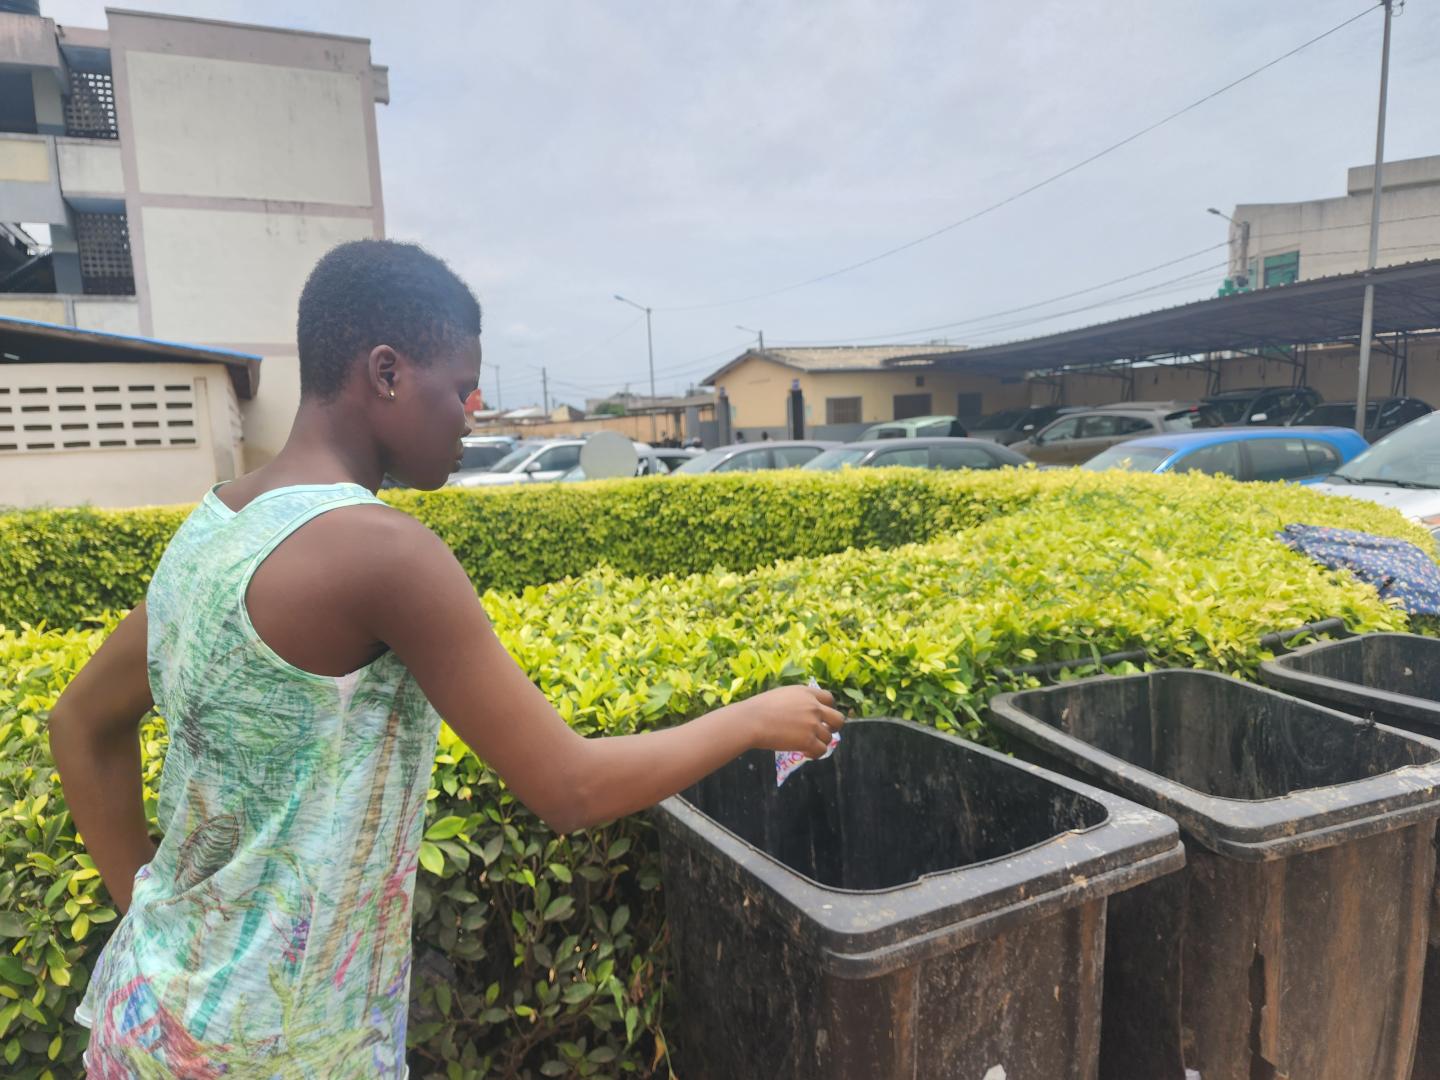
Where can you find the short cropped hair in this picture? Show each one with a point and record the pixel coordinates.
(378, 292)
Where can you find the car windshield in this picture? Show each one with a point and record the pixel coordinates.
(704, 463)
(513, 460)
(1408, 458)
(1337, 414)
(1000, 421)
(831, 460)
(482, 456)
(1130, 458)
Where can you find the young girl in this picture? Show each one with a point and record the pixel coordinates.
(302, 640)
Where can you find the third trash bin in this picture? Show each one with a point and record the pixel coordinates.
(1292, 944)
(914, 906)
(1390, 679)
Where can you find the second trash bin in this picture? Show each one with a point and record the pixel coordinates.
(913, 906)
(1292, 944)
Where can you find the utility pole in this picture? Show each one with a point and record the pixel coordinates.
(1367, 317)
(1242, 279)
(650, 352)
(758, 333)
(545, 389)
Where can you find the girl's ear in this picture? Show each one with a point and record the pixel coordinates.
(382, 369)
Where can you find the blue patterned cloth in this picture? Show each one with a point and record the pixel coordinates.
(1397, 569)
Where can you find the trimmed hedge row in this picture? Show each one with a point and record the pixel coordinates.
(61, 566)
(539, 955)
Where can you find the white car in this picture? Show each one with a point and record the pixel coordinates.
(527, 463)
(1402, 471)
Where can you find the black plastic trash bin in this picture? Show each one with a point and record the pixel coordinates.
(913, 906)
(1390, 679)
(1292, 944)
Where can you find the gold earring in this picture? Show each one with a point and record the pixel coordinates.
(392, 393)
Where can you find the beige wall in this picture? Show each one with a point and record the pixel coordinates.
(234, 276)
(759, 391)
(25, 159)
(118, 403)
(666, 426)
(30, 307)
(117, 316)
(210, 127)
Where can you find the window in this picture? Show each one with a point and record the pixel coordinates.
(90, 105)
(559, 457)
(1324, 458)
(17, 101)
(961, 457)
(917, 457)
(939, 429)
(1060, 431)
(908, 405)
(482, 457)
(1132, 425)
(842, 410)
(1279, 459)
(746, 461)
(104, 244)
(790, 457)
(1221, 459)
(890, 433)
(74, 417)
(1100, 426)
(1282, 269)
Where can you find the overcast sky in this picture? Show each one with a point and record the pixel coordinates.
(689, 154)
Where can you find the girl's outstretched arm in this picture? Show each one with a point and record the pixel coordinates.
(427, 612)
(95, 740)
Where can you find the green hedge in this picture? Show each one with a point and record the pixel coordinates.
(61, 566)
(543, 955)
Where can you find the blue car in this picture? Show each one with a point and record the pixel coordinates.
(1301, 454)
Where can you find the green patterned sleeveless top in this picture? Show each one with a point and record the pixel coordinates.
(270, 935)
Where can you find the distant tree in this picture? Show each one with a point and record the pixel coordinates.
(610, 408)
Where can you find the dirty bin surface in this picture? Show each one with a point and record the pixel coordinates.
(1292, 944)
(914, 905)
(1390, 678)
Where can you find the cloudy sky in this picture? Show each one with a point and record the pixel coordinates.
(702, 158)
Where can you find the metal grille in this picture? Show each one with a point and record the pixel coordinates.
(90, 106)
(842, 410)
(104, 243)
(37, 416)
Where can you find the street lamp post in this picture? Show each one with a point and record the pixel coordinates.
(1367, 315)
(650, 352)
(1244, 226)
(758, 333)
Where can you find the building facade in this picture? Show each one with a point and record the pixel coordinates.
(177, 178)
(1277, 243)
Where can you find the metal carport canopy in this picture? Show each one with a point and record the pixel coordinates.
(1319, 311)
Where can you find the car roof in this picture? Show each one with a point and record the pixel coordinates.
(766, 444)
(911, 444)
(932, 419)
(1191, 440)
(1135, 406)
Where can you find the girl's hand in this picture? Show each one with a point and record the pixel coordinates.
(800, 718)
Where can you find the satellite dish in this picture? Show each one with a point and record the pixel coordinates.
(606, 454)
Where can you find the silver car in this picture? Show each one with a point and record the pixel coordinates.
(527, 463)
(1402, 471)
(754, 457)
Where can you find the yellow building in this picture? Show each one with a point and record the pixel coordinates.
(846, 388)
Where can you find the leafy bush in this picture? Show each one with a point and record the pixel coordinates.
(61, 566)
(544, 955)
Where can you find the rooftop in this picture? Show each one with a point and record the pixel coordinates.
(839, 357)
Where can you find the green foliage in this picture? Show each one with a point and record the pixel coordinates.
(541, 955)
(61, 566)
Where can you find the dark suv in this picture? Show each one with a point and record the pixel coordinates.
(1011, 425)
(1080, 434)
(1274, 406)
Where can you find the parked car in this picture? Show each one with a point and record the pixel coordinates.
(916, 427)
(1269, 453)
(1261, 405)
(1011, 425)
(751, 457)
(544, 460)
(943, 453)
(1075, 437)
(1401, 470)
(1382, 415)
(480, 452)
(654, 461)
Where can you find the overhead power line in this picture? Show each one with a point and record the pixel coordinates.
(1046, 182)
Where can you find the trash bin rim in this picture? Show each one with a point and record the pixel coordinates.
(1281, 675)
(849, 921)
(1244, 828)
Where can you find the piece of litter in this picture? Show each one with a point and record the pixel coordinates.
(787, 761)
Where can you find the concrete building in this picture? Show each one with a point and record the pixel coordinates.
(847, 388)
(188, 174)
(1277, 243)
(113, 420)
